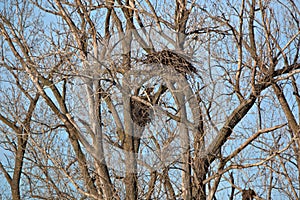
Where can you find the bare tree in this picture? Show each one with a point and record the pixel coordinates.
(150, 99)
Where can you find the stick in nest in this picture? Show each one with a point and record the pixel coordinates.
(170, 58)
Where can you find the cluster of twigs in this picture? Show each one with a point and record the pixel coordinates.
(170, 58)
(141, 108)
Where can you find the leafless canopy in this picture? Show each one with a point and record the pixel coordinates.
(127, 99)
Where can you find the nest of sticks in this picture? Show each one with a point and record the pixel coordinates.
(141, 107)
(140, 112)
(170, 58)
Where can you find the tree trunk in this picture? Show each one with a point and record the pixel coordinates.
(82, 162)
(22, 143)
(201, 171)
(131, 178)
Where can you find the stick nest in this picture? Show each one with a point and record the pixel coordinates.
(140, 112)
(170, 58)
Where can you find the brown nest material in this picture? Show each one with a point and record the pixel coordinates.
(170, 58)
(140, 112)
(248, 194)
(141, 109)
